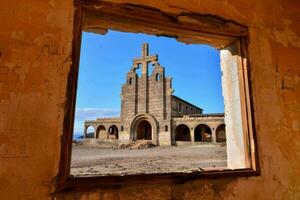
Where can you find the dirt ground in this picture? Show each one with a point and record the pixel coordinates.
(103, 160)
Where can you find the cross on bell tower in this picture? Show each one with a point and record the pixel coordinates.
(144, 60)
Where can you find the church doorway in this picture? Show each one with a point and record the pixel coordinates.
(202, 133)
(144, 130)
(182, 133)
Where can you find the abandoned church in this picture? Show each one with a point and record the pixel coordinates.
(150, 112)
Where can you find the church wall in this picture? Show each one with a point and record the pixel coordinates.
(128, 105)
(165, 131)
(152, 97)
(180, 107)
(128, 98)
(156, 96)
(142, 94)
(35, 46)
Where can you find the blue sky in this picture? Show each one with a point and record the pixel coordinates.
(105, 60)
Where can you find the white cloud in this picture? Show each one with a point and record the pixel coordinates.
(82, 114)
(93, 113)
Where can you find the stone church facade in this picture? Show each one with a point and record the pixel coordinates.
(149, 111)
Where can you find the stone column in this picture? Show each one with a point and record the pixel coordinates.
(107, 132)
(172, 129)
(84, 131)
(192, 129)
(214, 134)
(95, 131)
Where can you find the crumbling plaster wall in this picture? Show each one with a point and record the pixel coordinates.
(35, 48)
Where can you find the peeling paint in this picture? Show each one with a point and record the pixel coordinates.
(287, 36)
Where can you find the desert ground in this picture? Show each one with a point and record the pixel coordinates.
(103, 159)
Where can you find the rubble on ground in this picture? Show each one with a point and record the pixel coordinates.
(136, 145)
(77, 142)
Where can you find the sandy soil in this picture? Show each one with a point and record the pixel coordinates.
(101, 160)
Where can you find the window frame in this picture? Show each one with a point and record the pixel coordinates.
(213, 30)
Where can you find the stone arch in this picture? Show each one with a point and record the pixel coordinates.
(182, 133)
(89, 131)
(101, 132)
(139, 122)
(113, 132)
(202, 133)
(221, 133)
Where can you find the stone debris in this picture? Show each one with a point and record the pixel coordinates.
(76, 142)
(137, 145)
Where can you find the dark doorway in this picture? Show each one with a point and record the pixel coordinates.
(144, 131)
(202, 133)
(113, 132)
(182, 133)
(197, 134)
(220, 133)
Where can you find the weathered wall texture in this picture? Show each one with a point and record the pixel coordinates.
(236, 141)
(35, 47)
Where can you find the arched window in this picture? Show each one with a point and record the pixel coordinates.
(113, 132)
(130, 81)
(122, 128)
(157, 77)
(166, 128)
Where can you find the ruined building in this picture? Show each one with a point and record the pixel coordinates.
(36, 65)
(149, 111)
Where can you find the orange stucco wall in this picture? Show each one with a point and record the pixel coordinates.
(35, 49)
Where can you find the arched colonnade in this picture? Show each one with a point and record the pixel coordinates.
(200, 133)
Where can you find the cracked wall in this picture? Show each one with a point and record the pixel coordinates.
(35, 49)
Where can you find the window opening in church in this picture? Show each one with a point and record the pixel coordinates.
(179, 107)
(157, 77)
(138, 70)
(131, 104)
(130, 80)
